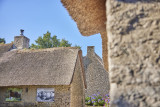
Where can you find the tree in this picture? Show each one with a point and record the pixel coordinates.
(2, 41)
(47, 41)
(64, 43)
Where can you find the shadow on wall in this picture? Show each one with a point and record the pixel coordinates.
(135, 1)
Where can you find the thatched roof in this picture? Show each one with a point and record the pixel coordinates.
(90, 15)
(5, 47)
(53, 66)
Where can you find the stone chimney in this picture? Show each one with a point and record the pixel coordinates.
(90, 51)
(21, 41)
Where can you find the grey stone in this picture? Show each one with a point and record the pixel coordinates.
(134, 27)
(97, 77)
(157, 104)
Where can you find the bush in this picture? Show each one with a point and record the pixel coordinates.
(97, 100)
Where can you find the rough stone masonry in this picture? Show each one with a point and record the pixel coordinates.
(133, 28)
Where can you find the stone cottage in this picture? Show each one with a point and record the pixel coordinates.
(45, 78)
(96, 76)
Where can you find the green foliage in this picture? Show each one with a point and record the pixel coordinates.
(87, 98)
(47, 41)
(88, 101)
(55, 41)
(97, 100)
(64, 43)
(77, 46)
(2, 41)
(13, 91)
(101, 102)
(13, 99)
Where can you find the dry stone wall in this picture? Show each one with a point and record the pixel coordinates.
(133, 29)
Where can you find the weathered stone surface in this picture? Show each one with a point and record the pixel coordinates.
(133, 28)
(77, 88)
(62, 95)
(96, 76)
(21, 42)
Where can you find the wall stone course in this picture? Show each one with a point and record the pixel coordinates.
(77, 88)
(96, 76)
(134, 52)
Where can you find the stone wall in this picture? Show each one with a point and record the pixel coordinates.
(133, 29)
(96, 76)
(62, 97)
(77, 87)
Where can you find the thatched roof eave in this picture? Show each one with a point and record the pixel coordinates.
(5, 48)
(90, 15)
(54, 66)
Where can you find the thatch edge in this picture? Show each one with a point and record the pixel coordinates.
(86, 30)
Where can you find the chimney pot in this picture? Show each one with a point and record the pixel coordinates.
(21, 32)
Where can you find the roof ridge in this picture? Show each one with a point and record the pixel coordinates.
(6, 44)
(46, 49)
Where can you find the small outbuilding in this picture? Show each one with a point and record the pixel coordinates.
(97, 78)
(51, 77)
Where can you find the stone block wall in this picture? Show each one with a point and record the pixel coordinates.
(77, 87)
(62, 97)
(21, 42)
(97, 77)
(133, 29)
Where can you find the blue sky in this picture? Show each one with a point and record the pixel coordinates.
(37, 17)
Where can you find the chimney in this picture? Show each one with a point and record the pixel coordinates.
(90, 51)
(21, 41)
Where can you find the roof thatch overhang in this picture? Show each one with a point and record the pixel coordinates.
(90, 15)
